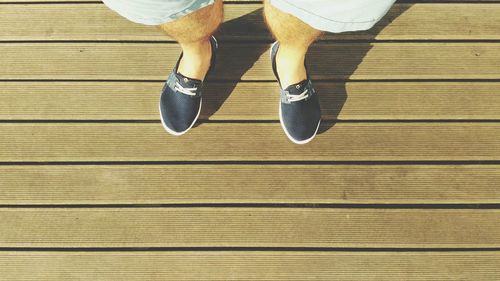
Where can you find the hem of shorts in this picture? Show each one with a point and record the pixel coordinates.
(158, 21)
(322, 23)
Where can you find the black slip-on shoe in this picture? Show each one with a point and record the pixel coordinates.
(299, 109)
(180, 99)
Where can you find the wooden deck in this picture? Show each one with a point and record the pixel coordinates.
(403, 183)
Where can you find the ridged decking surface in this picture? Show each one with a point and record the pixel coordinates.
(402, 183)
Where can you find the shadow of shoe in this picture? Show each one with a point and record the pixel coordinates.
(345, 50)
(347, 54)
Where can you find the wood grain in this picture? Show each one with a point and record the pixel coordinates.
(252, 100)
(87, 21)
(407, 86)
(223, 265)
(153, 61)
(249, 227)
(239, 183)
(345, 141)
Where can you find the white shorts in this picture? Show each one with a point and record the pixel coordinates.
(326, 15)
(336, 15)
(155, 12)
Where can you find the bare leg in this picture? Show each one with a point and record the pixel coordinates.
(193, 32)
(295, 37)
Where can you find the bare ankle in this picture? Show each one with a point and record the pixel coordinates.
(290, 65)
(196, 48)
(196, 58)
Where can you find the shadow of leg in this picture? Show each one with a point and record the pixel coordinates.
(344, 54)
(232, 59)
(345, 58)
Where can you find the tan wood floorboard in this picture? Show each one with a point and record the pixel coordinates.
(223, 265)
(344, 141)
(251, 100)
(250, 183)
(249, 227)
(93, 188)
(101, 61)
(420, 21)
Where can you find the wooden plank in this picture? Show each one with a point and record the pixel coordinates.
(215, 141)
(223, 265)
(204, 183)
(249, 227)
(251, 61)
(252, 100)
(422, 21)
